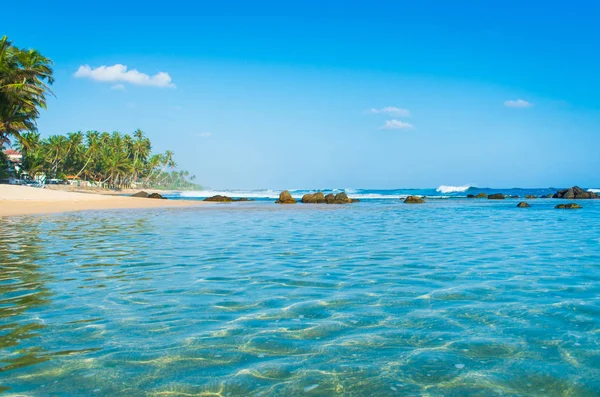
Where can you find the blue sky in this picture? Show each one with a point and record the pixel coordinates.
(381, 94)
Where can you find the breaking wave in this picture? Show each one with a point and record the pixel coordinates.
(452, 189)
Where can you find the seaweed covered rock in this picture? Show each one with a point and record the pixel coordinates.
(141, 194)
(413, 200)
(575, 193)
(285, 197)
(156, 196)
(570, 206)
(219, 199)
(530, 196)
(314, 198)
(496, 196)
(523, 204)
(481, 195)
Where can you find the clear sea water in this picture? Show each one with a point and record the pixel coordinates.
(455, 297)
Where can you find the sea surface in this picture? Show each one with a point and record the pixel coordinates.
(454, 297)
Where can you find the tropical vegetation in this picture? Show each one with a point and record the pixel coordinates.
(101, 159)
(113, 160)
(25, 79)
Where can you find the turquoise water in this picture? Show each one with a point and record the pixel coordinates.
(450, 298)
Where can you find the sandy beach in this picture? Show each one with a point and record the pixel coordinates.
(22, 200)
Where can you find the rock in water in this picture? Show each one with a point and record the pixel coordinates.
(156, 196)
(529, 196)
(470, 196)
(496, 196)
(523, 204)
(285, 198)
(340, 198)
(546, 196)
(481, 195)
(219, 199)
(314, 198)
(575, 193)
(414, 200)
(141, 194)
(570, 206)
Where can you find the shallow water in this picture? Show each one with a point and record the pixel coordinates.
(450, 298)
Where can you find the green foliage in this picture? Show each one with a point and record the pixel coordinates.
(3, 166)
(25, 77)
(107, 160)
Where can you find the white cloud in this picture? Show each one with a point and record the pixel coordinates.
(396, 125)
(117, 87)
(519, 103)
(203, 134)
(119, 72)
(392, 111)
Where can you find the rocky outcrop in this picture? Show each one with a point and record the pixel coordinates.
(141, 194)
(570, 206)
(340, 198)
(575, 193)
(413, 200)
(224, 199)
(314, 198)
(285, 198)
(156, 196)
(496, 196)
(481, 195)
(523, 204)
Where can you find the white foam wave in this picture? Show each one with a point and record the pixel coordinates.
(452, 189)
(594, 190)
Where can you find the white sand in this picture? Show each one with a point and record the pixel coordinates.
(23, 200)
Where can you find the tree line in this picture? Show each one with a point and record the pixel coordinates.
(106, 159)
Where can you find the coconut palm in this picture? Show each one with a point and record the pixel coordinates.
(25, 79)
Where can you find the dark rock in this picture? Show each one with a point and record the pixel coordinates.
(285, 198)
(481, 195)
(156, 196)
(470, 196)
(314, 198)
(529, 196)
(523, 204)
(575, 193)
(414, 200)
(496, 196)
(546, 196)
(219, 199)
(141, 194)
(570, 206)
(514, 197)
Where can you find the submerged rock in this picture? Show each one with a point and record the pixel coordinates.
(414, 200)
(470, 196)
(141, 194)
(546, 196)
(514, 197)
(570, 206)
(496, 196)
(224, 199)
(156, 196)
(530, 196)
(523, 204)
(481, 195)
(575, 193)
(285, 197)
(314, 198)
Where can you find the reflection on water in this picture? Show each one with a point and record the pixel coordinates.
(451, 298)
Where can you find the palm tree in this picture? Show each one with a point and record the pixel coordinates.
(93, 145)
(25, 79)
